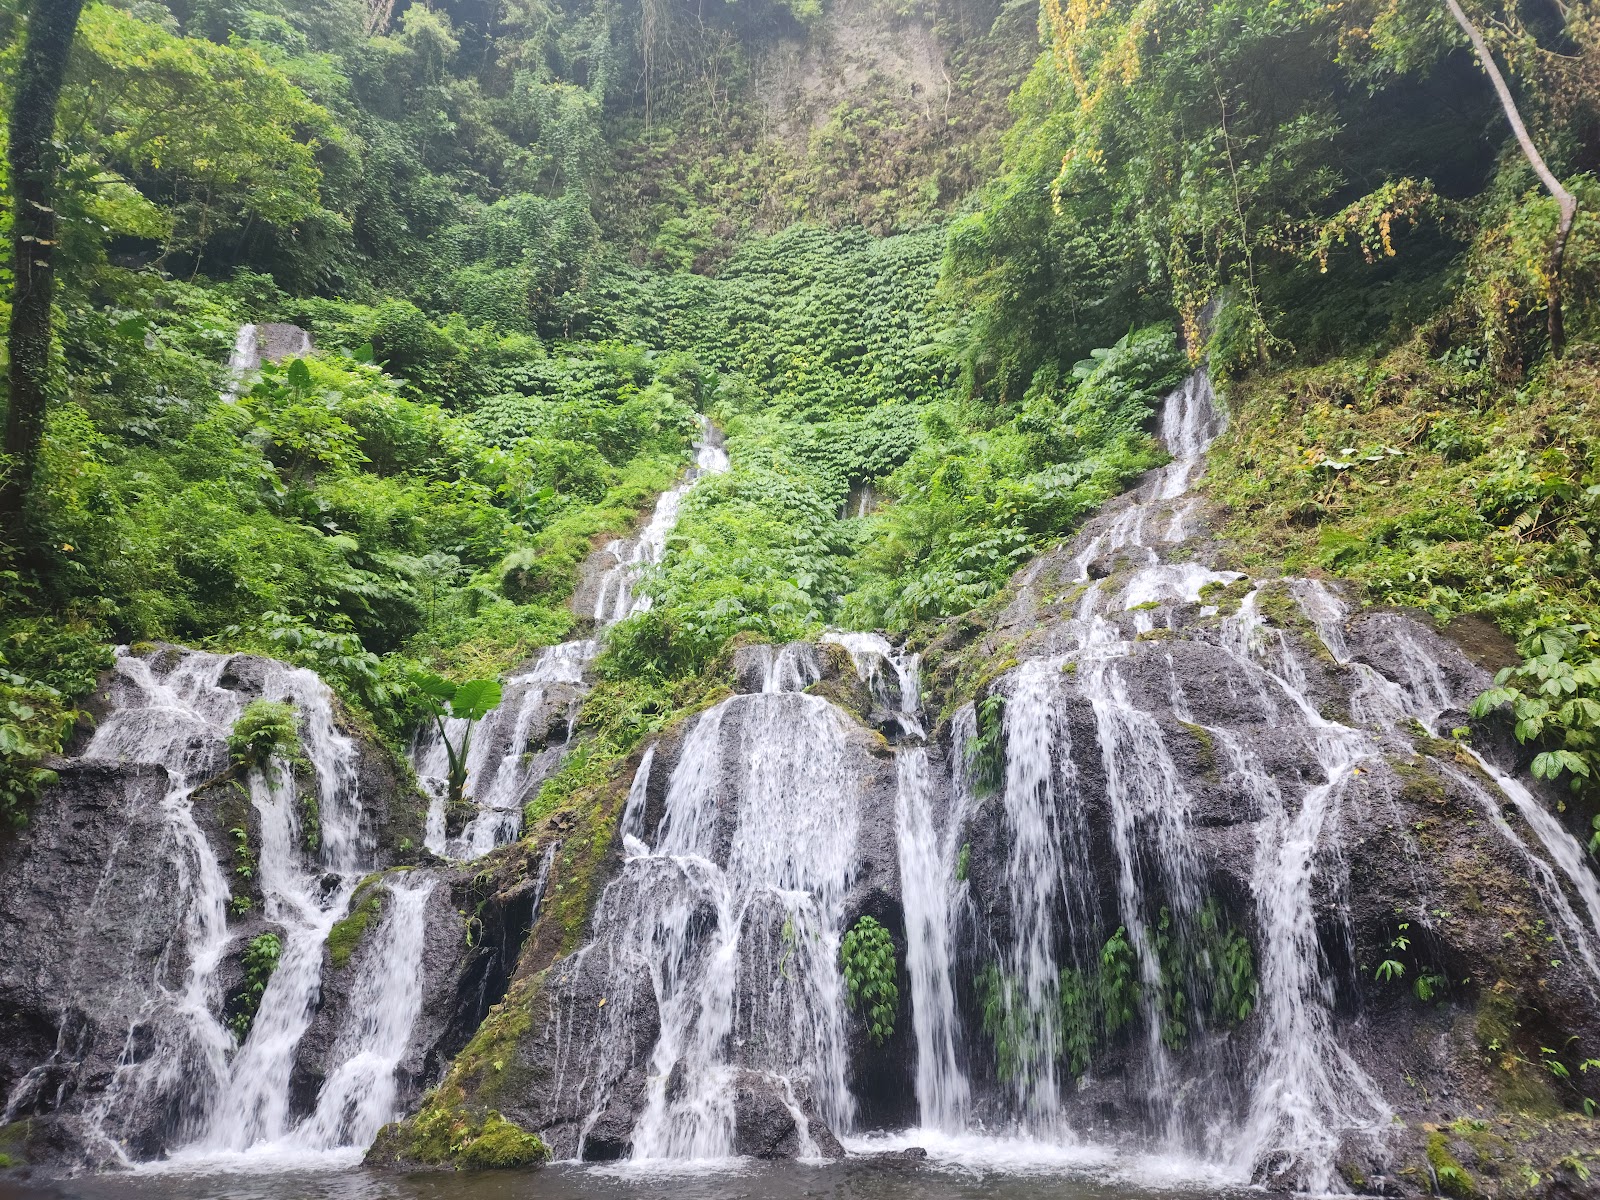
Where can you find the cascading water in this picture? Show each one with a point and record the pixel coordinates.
(502, 771)
(174, 710)
(360, 1096)
(729, 928)
(929, 884)
(631, 557)
(242, 360)
(1118, 781)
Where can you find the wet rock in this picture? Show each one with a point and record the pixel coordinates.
(278, 341)
(768, 1116)
(909, 1157)
(90, 899)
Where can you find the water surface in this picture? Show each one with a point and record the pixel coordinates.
(960, 1169)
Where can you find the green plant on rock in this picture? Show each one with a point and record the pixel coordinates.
(1119, 983)
(261, 956)
(244, 859)
(469, 702)
(1554, 696)
(1079, 1035)
(986, 754)
(1175, 955)
(1005, 1019)
(266, 731)
(868, 959)
(1452, 1177)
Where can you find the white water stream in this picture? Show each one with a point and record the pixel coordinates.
(502, 771)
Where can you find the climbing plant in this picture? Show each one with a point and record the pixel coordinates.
(260, 960)
(868, 959)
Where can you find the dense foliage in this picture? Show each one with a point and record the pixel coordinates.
(533, 244)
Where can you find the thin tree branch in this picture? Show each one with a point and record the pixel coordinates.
(1565, 200)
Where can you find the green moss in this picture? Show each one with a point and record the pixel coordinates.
(446, 1133)
(845, 692)
(1519, 1086)
(1205, 748)
(1452, 1177)
(500, 1144)
(1488, 1147)
(1418, 785)
(1226, 596)
(346, 935)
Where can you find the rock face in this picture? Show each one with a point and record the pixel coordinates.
(627, 1027)
(1186, 860)
(90, 899)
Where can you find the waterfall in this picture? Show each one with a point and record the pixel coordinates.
(631, 557)
(502, 772)
(358, 1099)
(175, 709)
(733, 922)
(244, 359)
(1030, 992)
(177, 721)
(929, 888)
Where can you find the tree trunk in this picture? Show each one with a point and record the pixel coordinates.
(1566, 201)
(33, 161)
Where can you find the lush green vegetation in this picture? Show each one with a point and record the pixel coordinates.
(532, 245)
(1206, 966)
(260, 960)
(265, 730)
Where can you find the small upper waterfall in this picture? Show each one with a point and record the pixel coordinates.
(629, 558)
(512, 748)
(256, 344)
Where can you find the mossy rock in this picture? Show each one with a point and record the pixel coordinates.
(1418, 785)
(1226, 597)
(14, 1144)
(501, 1145)
(1452, 1178)
(1205, 748)
(446, 1134)
(346, 934)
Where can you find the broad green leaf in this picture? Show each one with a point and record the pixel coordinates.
(475, 698)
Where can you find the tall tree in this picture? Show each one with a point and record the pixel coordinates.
(33, 160)
(1565, 201)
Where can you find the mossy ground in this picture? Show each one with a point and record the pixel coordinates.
(1425, 481)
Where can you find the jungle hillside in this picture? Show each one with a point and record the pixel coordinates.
(928, 266)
